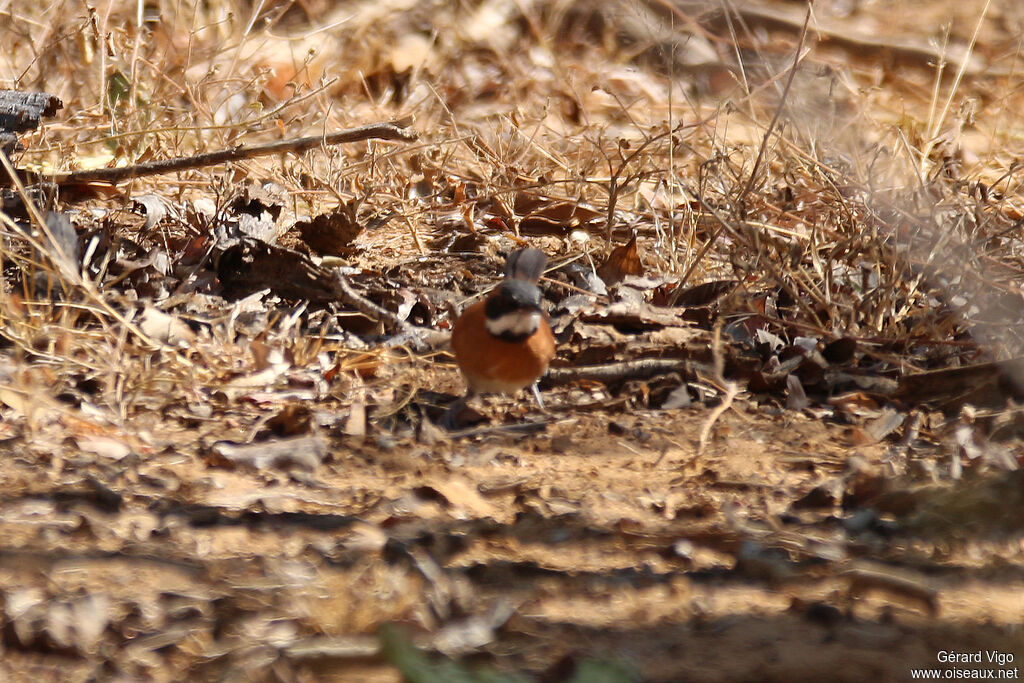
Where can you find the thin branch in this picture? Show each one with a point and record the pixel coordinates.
(730, 387)
(372, 131)
(936, 124)
(778, 110)
(405, 333)
(348, 294)
(613, 182)
(640, 368)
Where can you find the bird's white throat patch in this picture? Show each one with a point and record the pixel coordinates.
(516, 323)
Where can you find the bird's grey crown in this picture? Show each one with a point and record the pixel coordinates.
(512, 295)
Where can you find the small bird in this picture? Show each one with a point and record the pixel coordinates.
(504, 343)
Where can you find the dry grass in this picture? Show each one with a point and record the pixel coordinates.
(872, 194)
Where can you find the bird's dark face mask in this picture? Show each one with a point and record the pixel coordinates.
(513, 311)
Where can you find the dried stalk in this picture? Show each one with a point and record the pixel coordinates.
(372, 131)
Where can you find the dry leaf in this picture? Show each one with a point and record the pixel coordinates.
(885, 424)
(293, 419)
(543, 216)
(704, 294)
(250, 266)
(796, 399)
(623, 261)
(165, 328)
(103, 446)
(465, 501)
(331, 233)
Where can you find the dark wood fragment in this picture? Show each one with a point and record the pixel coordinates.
(9, 143)
(21, 111)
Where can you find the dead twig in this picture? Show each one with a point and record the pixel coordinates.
(22, 111)
(778, 110)
(615, 372)
(372, 131)
(864, 576)
(615, 184)
(348, 295)
(904, 50)
(522, 428)
(730, 388)
(420, 338)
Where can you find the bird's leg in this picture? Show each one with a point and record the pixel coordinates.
(536, 395)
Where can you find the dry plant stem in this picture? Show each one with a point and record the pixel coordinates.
(826, 174)
(247, 124)
(615, 372)
(935, 124)
(778, 110)
(739, 236)
(920, 53)
(521, 428)
(76, 278)
(373, 131)
(730, 387)
(348, 294)
(722, 225)
(734, 36)
(731, 390)
(614, 185)
(415, 235)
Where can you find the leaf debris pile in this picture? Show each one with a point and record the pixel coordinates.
(784, 409)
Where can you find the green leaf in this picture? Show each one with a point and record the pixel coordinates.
(416, 667)
(118, 89)
(604, 671)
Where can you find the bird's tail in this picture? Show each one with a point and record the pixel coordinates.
(525, 264)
